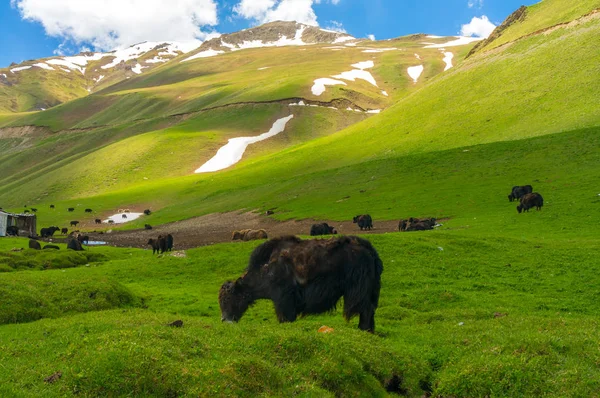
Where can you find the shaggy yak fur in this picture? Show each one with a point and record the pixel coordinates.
(147, 226)
(64, 231)
(169, 242)
(74, 223)
(531, 200)
(161, 244)
(35, 245)
(71, 209)
(98, 221)
(88, 210)
(519, 191)
(364, 221)
(147, 212)
(249, 234)
(308, 277)
(48, 232)
(322, 229)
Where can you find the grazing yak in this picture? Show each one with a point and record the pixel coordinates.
(74, 223)
(64, 231)
(48, 232)
(322, 229)
(74, 244)
(416, 224)
(161, 244)
(88, 210)
(519, 191)
(34, 210)
(51, 247)
(364, 221)
(83, 238)
(147, 212)
(154, 244)
(52, 206)
(308, 277)
(71, 209)
(98, 221)
(531, 200)
(124, 216)
(249, 234)
(25, 211)
(147, 226)
(111, 221)
(169, 242)
(34, 244)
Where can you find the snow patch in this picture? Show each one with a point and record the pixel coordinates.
(374, 111)
(264, 67)
(44, 66)
(363, 65)
(118, 218)
(434, 37)
(385, 93)
(418, 56)
(20, 68)
(233, 151)
(415, 72)
(448, 56)
(459, 41)
(343, 39)
(379, 50)
(357, 74)
(204, 54)
(156, 60)
(137, 69)
(97, 80)
(318, 87)
(3, 75)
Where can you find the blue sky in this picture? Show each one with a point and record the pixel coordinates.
(31, 29)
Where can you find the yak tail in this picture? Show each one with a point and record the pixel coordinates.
(262, 253)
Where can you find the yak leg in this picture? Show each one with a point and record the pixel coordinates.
(285, 305)
(367, 321)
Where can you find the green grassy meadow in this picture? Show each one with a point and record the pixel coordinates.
(492, 303)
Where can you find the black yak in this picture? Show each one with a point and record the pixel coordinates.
(83, 238)
(154, 244)
(364, 221)
(147, 226)
(308, 277)
(34, 244)
(64, 231)
(52, 206)
(322, 229)
(88, 210)
(74, 223)
(111, 221)
(531, 200)
(124, 216)
(71, 209)
(519, 191)
(25, 211)
(74, 244)
(34, 210)
(169, 242)
(48, 232)
(98, 221)
(147, 212)
(416, 224)
(158, 245)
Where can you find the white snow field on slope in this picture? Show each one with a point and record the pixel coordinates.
(204, 54)
(232, 152)
(44, 66)
(415, 72)
(118, 218)
(359, 72)
(13, 70)
(458, 41)
(448, 56)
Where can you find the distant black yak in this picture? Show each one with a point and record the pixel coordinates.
(322, 229)
(83, 238)
(48, 232)
(519, 191)
(169, 242)
(147, 212)
(308, 277)
(364, 221)
(158, 245)
(71, 209)
(34, 244)
(74, 223)
(531, 200)
(88, 210)
(98, 221)
(147, 226)
(52, 206)
(64, 231)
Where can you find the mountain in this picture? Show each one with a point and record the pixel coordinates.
(41, 84)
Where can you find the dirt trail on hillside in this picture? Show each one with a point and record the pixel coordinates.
(217, 228)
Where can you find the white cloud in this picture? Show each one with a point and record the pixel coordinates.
(475, 3)
(109, 24)
(264, 11)
(336, 27)
(478, 27)
(371, 37)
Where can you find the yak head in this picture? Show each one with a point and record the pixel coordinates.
(233, 300)
(236, 235)
(355, 219)
(519, 208)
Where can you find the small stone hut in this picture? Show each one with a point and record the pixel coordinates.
(26, 223)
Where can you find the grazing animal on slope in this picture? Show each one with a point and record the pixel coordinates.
(147, 212)
(308, 277)
(169, 242)
(322, 229)
(364, 221)
(48, 232)
(531, 200)
(88, 210)
(34, 210)
(124, 216)
(52, 206)
(74, 244)
(71, 209)
(249, 234)
(83, 238)
(74, 223)
(98, 221)
(147, 226)
(64, 231)
(416, 224)
(34, 244)
(154, 244)
(519, 191)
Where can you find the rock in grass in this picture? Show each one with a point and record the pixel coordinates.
(176, 324)
(325, 329)
(53, 378)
